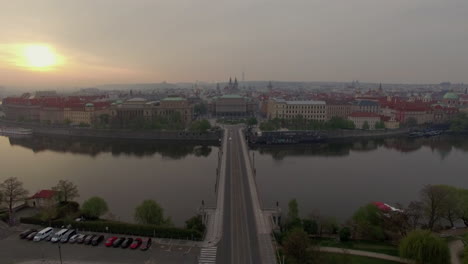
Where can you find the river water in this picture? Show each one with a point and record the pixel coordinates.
(331, 178)
(334, 179)
(177, 176)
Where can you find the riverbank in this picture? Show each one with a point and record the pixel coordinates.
(40, 129)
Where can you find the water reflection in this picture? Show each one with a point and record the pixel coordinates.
(442, 145)
(94, 147)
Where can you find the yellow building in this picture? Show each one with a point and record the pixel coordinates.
(309, 110)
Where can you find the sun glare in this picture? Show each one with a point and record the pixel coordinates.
(39, 57)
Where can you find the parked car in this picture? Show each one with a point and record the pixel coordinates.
(136, 243)
(118, 242)
(88, 239)
(80, 239)
(67, 235)
(110, 241)
(97, 239)
(73, 238)
(146, 244)
(43, 234)
(127, 242)
(31, 236)
(57, 236)
(26, 233)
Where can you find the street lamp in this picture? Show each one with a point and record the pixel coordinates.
(60, 252)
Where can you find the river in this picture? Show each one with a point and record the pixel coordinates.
(176, 175)
(334, 179)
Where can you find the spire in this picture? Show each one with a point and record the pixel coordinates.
(230, 80)
(235, 80)
(466, 90)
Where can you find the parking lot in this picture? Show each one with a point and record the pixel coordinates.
(16, 250)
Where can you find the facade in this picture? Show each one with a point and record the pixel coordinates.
(451, 99)
(232, 105)
(43, 199)
(87, 114)
(340, 109)
(365, 106)
(360, 118)
(309, 110)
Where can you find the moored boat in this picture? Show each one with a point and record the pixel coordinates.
(15, 131)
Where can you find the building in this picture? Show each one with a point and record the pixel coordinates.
(43, 198)
(340, 109)
(88, 113)
(309, 110)
(232, 106)
(360, 118)
(365, 106)
(451, 99)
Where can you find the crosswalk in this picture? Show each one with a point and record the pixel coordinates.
(207, 255)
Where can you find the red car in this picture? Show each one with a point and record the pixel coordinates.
(110, 241)
(136, 243)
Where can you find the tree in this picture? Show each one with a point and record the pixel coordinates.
(295, 246)
(380, 125)
(414, 213)
(424, 247)
(293, 215)
(66, 190)
(94, 207)
(252, 121)
(12, 192)
(459, 123)
(411, 122)
(434, 200)
(200, 109)
(451, 204)
(150, 212)
(365, 126)
(200, 126)
(463, 206)
(310, 226)
(195, 223)
(368, 222)
(345, 234)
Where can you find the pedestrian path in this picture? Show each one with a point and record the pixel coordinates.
(207, 255)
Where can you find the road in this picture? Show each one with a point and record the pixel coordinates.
(239, 242)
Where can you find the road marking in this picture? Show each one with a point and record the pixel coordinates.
(207, 255)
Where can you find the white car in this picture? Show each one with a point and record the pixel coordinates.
(57, 236)
(43, 234)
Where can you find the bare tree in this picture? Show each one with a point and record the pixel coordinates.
(414, 212)
(12, 192)
(434, 199)
(66, 190)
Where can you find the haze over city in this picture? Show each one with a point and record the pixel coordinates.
(86, 43)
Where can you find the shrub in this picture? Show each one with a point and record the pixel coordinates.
(424, 247)
(345, 234)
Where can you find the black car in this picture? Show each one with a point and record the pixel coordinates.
(127, 242)
(81, 239)
(88, 239)
(146, 244)
(97, 239)
(118, 242)
(25, 233)
(31, 235)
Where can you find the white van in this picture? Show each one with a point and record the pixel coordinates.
(43, 234)
(57, 236)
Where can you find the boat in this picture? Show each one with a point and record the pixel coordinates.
(15, 131)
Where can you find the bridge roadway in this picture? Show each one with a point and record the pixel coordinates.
(240, 238)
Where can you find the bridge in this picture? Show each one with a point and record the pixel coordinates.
(238, 231)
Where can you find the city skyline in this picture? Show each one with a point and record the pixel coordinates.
(94, 43)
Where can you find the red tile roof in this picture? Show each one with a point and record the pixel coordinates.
(45, 194)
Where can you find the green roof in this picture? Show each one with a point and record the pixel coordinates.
(231, 96)
(450, 95)
(89, 105)
(173, 99)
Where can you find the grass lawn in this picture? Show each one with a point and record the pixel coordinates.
(332, 258)
(377, 247)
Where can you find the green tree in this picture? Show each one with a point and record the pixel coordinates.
(365, 126)
(252, 121)
(459, 123)
(465, 256)
(424, 247)
(12, 192)
(151, 213)
(94, 207)
(452, 204)
(463, 205)
(296, 246)
(66, 190)
(345, 234)
(368, 222)
(200, 126)
(380, 125)
(293, 210)
(196, 223)
(310, 226)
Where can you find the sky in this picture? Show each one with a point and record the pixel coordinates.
(138, 41)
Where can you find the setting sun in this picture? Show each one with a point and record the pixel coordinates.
(39, 56)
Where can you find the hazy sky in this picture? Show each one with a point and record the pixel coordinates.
(404, 41)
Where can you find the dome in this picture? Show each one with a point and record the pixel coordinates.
(89, 105)
(451, 96)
